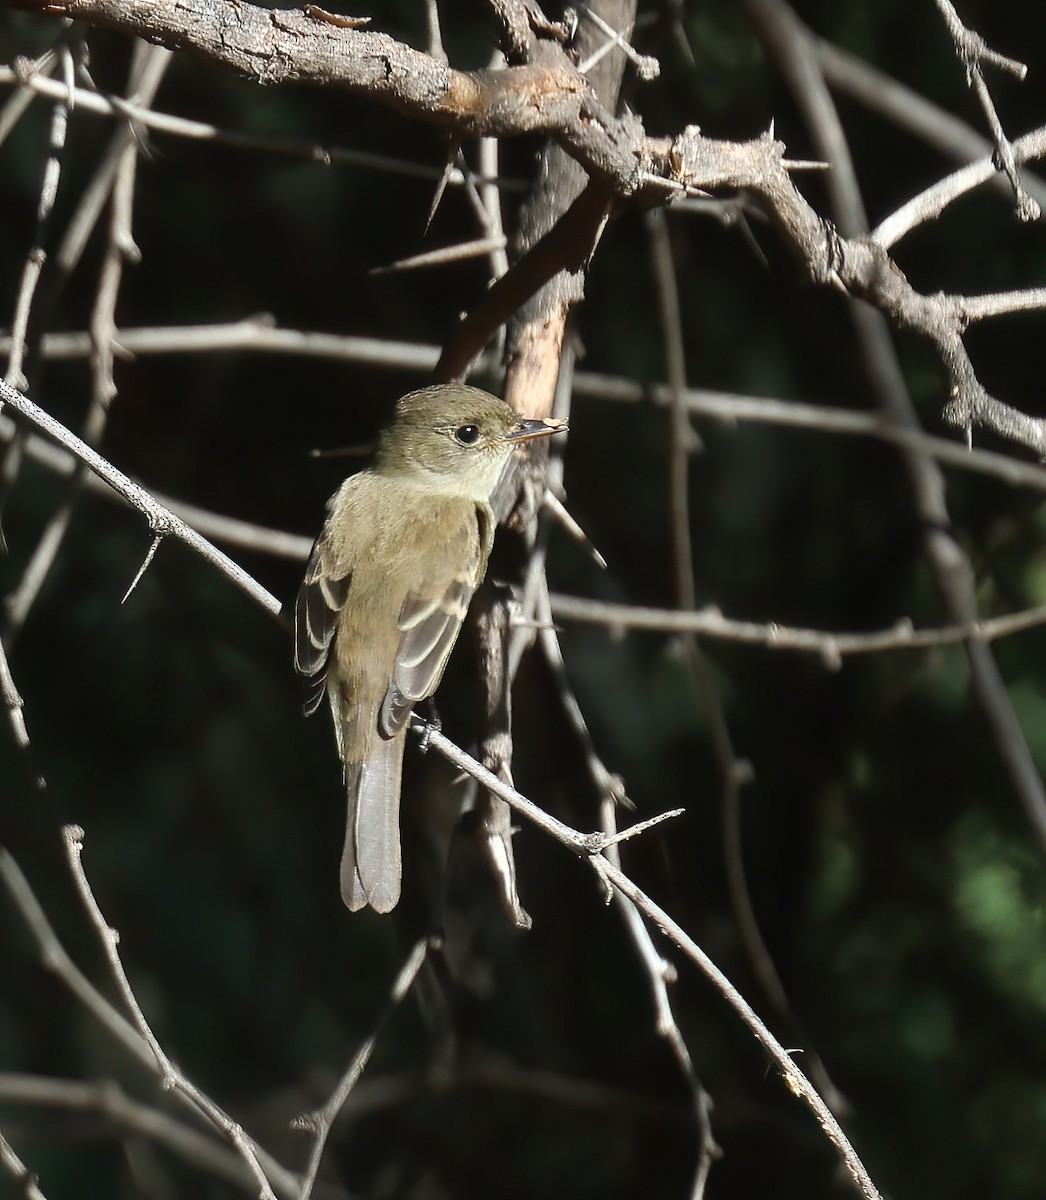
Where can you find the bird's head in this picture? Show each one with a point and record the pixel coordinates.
(455, 439)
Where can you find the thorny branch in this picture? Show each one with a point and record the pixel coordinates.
(295, 46)
(292, 46)
(56, 959)
(973, 50)
(172, 1077)
(115, 179)
(829, 646)
(161, 520)
(593, 847)
(258, 334)
(301, 46)
(951, 569)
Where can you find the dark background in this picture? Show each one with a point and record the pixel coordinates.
(895, 879)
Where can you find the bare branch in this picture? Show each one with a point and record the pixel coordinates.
(460, 252)
(935, 199)
(113, 106)
(161, 520)
(660, 973)
(830, 648)
(977, 308)
(16, 717)
(861, 266)
(285, 46)
(292, 46)
(569, 243)
(37, 256)
(911, 111)
(973, 50)
(322, 1120)
(683, 440)
(794, 1079)
(14, 1166)
(647, 67)
(615, 839)
(55, 959)
(951, 568)
(257, 334)
(253, 333)
(590, 845)
(115, 178)
(130, 1116)
(20, 100)
(172, 1078)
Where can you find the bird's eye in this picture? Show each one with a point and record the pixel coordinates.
(467, 435)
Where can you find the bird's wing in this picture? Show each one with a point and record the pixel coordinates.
(320, 599)
(430, 621)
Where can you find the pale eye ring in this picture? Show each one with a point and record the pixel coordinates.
(467, 435)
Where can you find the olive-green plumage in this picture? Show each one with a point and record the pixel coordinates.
(404, 547)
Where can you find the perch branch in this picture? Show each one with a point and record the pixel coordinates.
(592, 846)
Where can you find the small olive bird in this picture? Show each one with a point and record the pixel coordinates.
(404, 547)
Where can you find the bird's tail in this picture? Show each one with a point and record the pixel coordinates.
(370, 861)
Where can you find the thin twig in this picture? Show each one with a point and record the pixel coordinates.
(14, 705)
(831, 648)
(734, 771)
(660, 973)
(258, 334)
(487, 152)
(912, 112)
(796, 1082)
(108, 1100)
(55, 959)
(171, 1077)
(22, 97)
(321, 1121)
(146, 73)
(435, 34)
(583, 844)
(566, 247)
(113, 106)
(589, 845)
(21, 1174)
(615, 839)
(609, 787)
(952, 571)
(973, 51)
(37, 255)
(647, 67)
(459, 252)
(931, 202)
(161, 520)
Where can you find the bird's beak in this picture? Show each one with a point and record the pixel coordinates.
(530, 427)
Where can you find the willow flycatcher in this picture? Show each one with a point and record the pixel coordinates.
(404, 547)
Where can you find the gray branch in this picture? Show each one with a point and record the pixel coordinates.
(161, 520)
